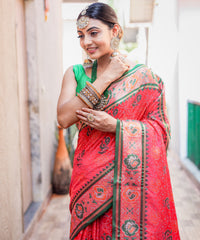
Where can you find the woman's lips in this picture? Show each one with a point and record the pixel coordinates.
(91, 50)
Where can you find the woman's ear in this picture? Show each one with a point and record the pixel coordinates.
(115, 30)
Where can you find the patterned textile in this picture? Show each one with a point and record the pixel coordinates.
(120, 186)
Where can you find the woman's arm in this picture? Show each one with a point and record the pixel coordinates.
(69, 103)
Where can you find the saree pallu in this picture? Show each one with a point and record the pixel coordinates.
(120, 186)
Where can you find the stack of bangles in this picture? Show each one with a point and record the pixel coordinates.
(89, 95)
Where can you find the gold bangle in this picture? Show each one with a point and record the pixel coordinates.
(94, 89)
(91, 95)
(85, 100)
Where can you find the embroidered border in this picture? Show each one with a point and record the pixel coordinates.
(92, 182)
(117, 181)
(142, 211)
(144, 86)
(92, 217)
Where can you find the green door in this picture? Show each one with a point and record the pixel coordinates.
(193, 152)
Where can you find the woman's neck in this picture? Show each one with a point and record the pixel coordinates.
(103, 62)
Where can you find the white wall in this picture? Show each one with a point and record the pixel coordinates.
(163, 59)
(174, 52)
(72, 52)
(189, 63)
(44, 53)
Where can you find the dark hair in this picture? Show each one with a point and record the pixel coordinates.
(103, 12)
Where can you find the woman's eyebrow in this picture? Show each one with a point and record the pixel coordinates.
(88, 29)
(92, 28)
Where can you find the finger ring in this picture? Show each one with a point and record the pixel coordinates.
(90, 117)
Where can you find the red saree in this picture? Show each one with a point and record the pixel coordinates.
(120, 186)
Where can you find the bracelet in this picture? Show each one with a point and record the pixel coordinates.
(85, 100)
(89, 95)
(92, 98)
(101, 104)
(102, 99)
(91, 87)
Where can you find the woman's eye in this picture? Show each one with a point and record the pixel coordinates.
(94, 33)
(80, 36)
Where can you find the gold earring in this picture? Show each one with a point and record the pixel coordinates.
(88, 62)
(114, 44)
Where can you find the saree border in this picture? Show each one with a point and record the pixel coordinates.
(90, 183)
(162, 114)
(128, 73)
(117, 181)
(143, 187)
(150, 85)
(92, 217)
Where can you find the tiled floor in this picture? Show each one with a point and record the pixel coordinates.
(54, 224)
(187, 200)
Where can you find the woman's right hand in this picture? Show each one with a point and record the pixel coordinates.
(117, 66)
(115, 69)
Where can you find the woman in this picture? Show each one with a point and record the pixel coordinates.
(120, 186)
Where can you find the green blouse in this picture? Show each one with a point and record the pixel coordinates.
(81, 77)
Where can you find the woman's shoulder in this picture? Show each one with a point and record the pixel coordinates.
(74, 71)
(74, 68)
(77, 67)
(68, 72)
(147, 76)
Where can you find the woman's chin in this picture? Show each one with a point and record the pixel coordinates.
(94, 56)
(98, 56)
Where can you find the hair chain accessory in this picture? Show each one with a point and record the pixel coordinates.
(84, 11)
(83, 20)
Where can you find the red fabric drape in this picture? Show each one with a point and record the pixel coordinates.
(120, 187)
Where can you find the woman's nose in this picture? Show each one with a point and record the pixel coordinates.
(87, 40)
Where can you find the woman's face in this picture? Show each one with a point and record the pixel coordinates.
(95, 39)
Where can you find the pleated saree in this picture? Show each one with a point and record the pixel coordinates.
(120, 186)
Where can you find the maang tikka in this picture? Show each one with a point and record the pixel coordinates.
(83, 20)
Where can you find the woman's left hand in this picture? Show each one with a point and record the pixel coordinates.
(99, 120)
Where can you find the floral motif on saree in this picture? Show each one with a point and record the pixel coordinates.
(126, 174)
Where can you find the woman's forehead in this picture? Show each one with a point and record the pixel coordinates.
(93, 23)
